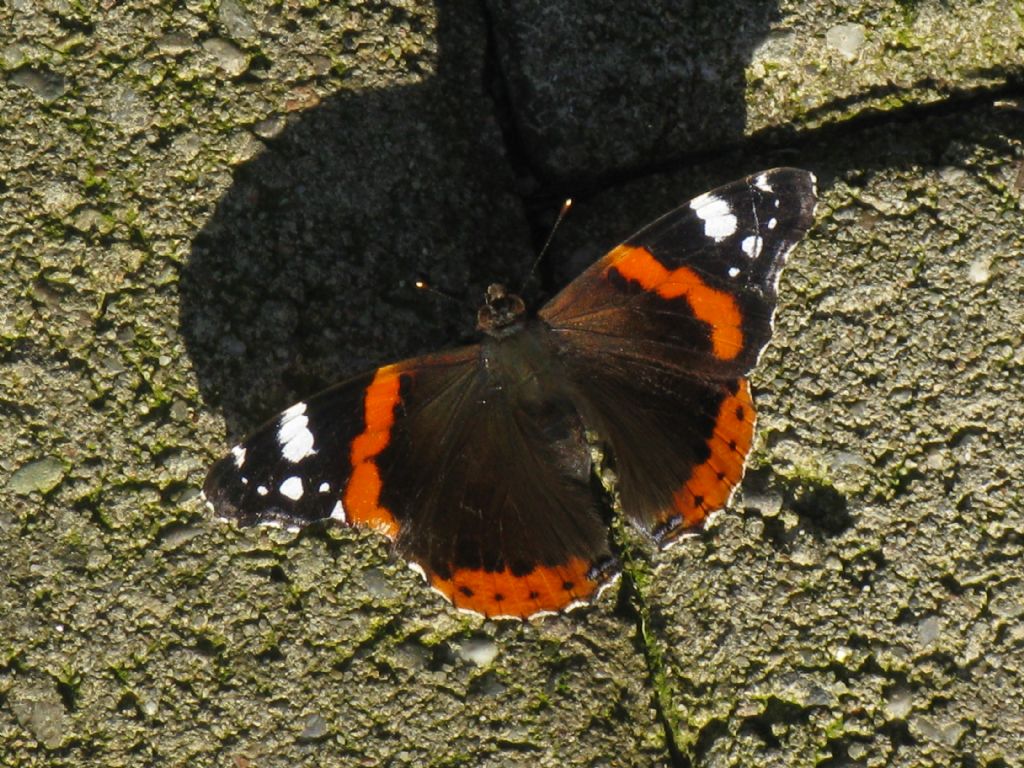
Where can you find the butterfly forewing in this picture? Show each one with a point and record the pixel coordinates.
(292, 470)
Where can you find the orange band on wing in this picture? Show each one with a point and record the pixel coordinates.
(716, 308)
(362, 493)
(501, 593)
(710, 484)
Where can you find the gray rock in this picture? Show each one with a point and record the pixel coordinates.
(41, 475)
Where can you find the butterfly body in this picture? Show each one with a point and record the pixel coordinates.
(476, 462)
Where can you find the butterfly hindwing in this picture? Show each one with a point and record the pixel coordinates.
(482, 487)
(660, 333)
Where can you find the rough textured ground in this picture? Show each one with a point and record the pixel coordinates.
(210, 209)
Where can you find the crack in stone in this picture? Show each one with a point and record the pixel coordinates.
(633, 601)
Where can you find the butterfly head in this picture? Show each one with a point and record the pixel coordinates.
(502, 312)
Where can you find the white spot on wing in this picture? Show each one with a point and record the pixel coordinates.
(773, 223)
(719, 221)
(751, 246)
(293, 436)
(734, 271)
(338, 513)
(239, 453)
(325, 487)
(261, 490)
(701, 200)
(292, 488)
(762, 183)
(296, 410)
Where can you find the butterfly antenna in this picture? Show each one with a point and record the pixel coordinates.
(551, 235)
(423, 285)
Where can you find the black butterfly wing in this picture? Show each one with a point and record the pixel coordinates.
(660, 333)
(483, 489)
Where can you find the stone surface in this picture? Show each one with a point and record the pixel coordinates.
(189, 250)
(38, 709)
(626, 88)
(42, 476)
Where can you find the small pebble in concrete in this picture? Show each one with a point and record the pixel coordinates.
(173, 43)
(46, 85)
(12, 56)
(847, 39)
(228, 57)
(480, 651)
(979, 272)
(314, 729)
(236, 20)
(42, 475)
(38, 709)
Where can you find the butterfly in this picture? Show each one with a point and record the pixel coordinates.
(477, 463)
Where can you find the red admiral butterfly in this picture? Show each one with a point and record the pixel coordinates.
(477, 462)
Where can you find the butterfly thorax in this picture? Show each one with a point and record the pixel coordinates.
(502, 313)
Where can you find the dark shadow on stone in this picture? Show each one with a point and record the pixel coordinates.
(303, 275)
(776, 712)
(625, 85)
(821, 508)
